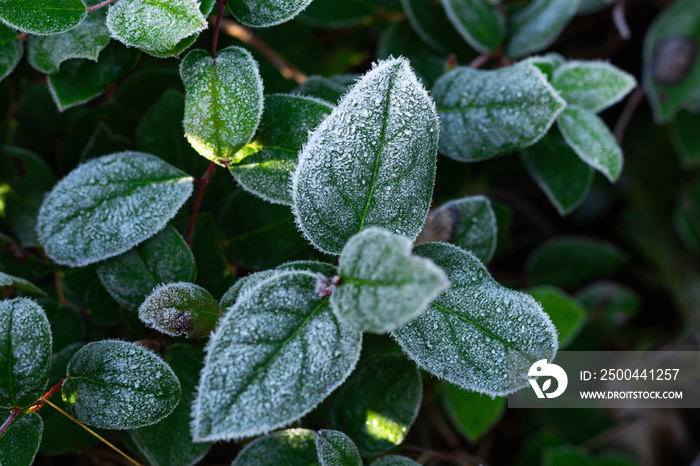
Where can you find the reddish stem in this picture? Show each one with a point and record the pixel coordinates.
(217, 25)
(13, 415)
(201, 188)
(481, 60)
(626, 115)
(90, 9)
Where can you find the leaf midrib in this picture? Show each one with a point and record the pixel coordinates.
(482, 329)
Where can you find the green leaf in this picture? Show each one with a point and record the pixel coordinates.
(169, 442)
(394, 460)
(571, 261)
(591, 6)
(330, 89)
(117, 385)
(277, 353)
(477, 21)
(465, 334)
(41, 17)
(80, 81)
(293, 447)
(19, 444)
(67, 328)
(472, 413)
(265, 166)
(592, 141)
(11, 50)
(91, 214)
(671, 60)
(378, 403)
(567, 314)
(612, 303)
(369, 163)
(686, 139)
(20, 283)
(336, 449)
(206, 247)
(430, 22)
(488, 113)
(102, 142)
(154, 27)
(547, 63)
(25, 352)
(537, 25)
(224, 101)
(594, 86)
(686, 216)
(46, 53)
(180, 309)
(164, 258)
(469, 223)
(559, 172)
(266, 13)
(331, 14)
(382, 284)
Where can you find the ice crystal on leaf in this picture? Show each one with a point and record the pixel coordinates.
(594, 86)
(336, 449)
(42, 16)
(292, 447)
(259, 13)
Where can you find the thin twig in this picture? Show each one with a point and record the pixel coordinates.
(481, 60)
(201, 188)
(90, 9)
(99, 437)
(627, 112)
(244, 34)
(618, 15)
(217, 25)
(13, 415)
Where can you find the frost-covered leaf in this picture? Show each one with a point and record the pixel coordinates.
(546, 63)
(592, 141)
(378, 403)
(371, 162)
(330, 89)
(154, 27)
(336, 449)
(25, 352)
(20, 442)
(465, 334)
(559, 172)
(224, 101)
(117, 385)
(429, 20)
(488, 113)
(472, 413)
(277, 353)
(42, 16)
(567, 314)
(265, 165)
(79, 80)
(537, 24)
(477, 21)
(383, 285)
(169, 442)
(163, 258)
(266, 13)
(11, 50)
(591, 6)
(108, 205)
(180, 309)
(594, 86)
(672, 61)
(394, 460)
(293, 447)
(470, 223)
(86, 40)
(21, 283)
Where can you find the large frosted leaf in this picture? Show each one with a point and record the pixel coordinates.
(265, 166)
(293, 447)
(591, 139)
(20, 442)
(536, 25)
(164, 258)
(264, 13)
(469, 223)
(11, 50)
(378, 403)
(117, 385)
(559, 172)
(46, 53)
(477, 21)
(277, 353)
(371, 162)
(224, 101)
(382, 284)
(336, 449)
(20, 283)
(594, 86)
(465, 334)
(42, 16)
(155, 27)
(109, 205)
(488, 113)
(25, 352)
